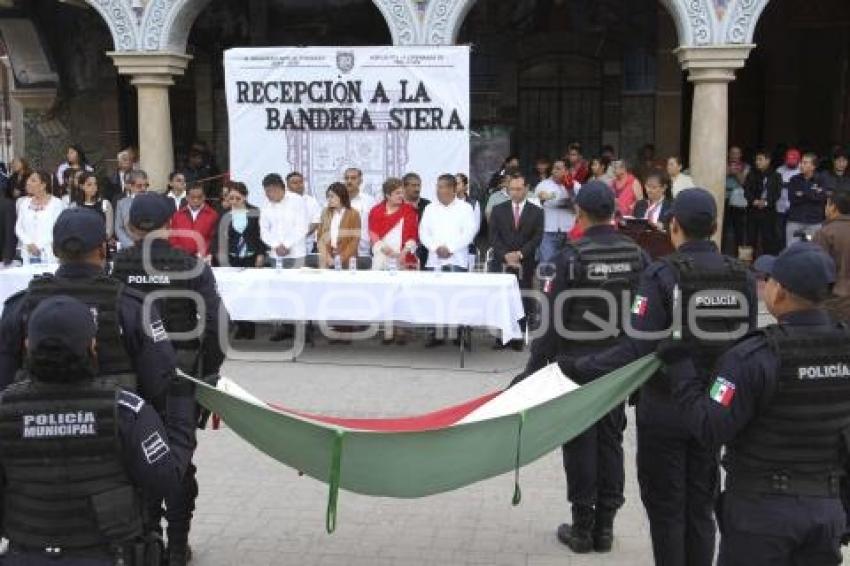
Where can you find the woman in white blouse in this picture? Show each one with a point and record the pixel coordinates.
(36, 216)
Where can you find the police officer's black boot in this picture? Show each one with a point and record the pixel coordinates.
(579, 535)
(179, 554)
(603, 530)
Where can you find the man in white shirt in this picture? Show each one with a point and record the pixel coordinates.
(295, 184)
(446, 230)
(678, 180)
(283, 222)
(177, 192)
(362, 203)
(558, 210)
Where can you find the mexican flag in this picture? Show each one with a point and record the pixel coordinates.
(722, 391)
(427, 454)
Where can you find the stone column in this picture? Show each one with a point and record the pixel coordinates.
(711, 69)
(152, 74)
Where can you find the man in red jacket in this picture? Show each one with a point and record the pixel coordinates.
(194, 225)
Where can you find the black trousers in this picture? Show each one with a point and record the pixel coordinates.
(762, 230)
(779, 530)
(678, 481)
(594, 463)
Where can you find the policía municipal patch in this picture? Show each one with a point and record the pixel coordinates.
(723, 391)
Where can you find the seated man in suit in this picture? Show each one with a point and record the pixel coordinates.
(516, 229)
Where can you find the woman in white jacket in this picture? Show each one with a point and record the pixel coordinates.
(37, 214)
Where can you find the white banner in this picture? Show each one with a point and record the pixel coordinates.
(319, 110)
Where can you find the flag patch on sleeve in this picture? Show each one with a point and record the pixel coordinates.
(640, 305)
(722, 391)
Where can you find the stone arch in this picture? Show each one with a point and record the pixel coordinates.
(694, 19)
(166, 24)
(401, 19)
(121, 20)
(740, 25)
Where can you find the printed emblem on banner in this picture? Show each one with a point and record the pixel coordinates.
(722, 392)
(345, 61)
(640, 305)
(154, 448)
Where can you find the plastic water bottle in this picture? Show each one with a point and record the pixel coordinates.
(337, 263)
(352, 264)
(392, 264)
(471, 263)
(278, 263)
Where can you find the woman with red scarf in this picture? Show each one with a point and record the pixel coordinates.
(627, 188)
(393, 229)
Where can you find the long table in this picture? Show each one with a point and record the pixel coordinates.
(480, 300)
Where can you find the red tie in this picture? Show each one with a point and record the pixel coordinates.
(516, 216)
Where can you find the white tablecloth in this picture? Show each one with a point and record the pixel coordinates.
(481, 300)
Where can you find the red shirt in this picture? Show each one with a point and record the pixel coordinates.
(204, 226)
(581, 172)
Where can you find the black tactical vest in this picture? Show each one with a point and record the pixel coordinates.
(705, 291)
(613, 267)
(178, 314)
(66, 485)
(802, 433)
(103, 296)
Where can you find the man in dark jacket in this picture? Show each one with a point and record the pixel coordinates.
(516, 229)
(763, 186)
(807, 195)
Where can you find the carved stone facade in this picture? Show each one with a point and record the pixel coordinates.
(164, 25)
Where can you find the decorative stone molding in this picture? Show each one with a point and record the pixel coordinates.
(149, 68)
(699, 23)
(401, 19)
(166, 24)
(741, 25)
(121, 20)
(713, 63)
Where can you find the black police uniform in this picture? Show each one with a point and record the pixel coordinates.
(77, 453)
(72, 492)
(176, 272)
(593, 461)
(779, 403)
(199, 357)
(120, 311)
(677, 475)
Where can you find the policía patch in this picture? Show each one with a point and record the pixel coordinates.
(154, 448)
(723, 391)
(640, 305)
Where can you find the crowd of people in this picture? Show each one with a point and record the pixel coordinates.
(772, 200)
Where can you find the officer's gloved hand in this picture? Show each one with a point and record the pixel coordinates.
(672, 351)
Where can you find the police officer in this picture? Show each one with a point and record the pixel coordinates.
(129, 351)
(611, 263)
(78, 453)
(153, 265)
(780, 403)
(678, 474)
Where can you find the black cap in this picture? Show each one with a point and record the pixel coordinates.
(695, 209)
(273, 179)
(78, 230)
(804, 269)
(597, 199)
(150, 211)
(64, 320)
